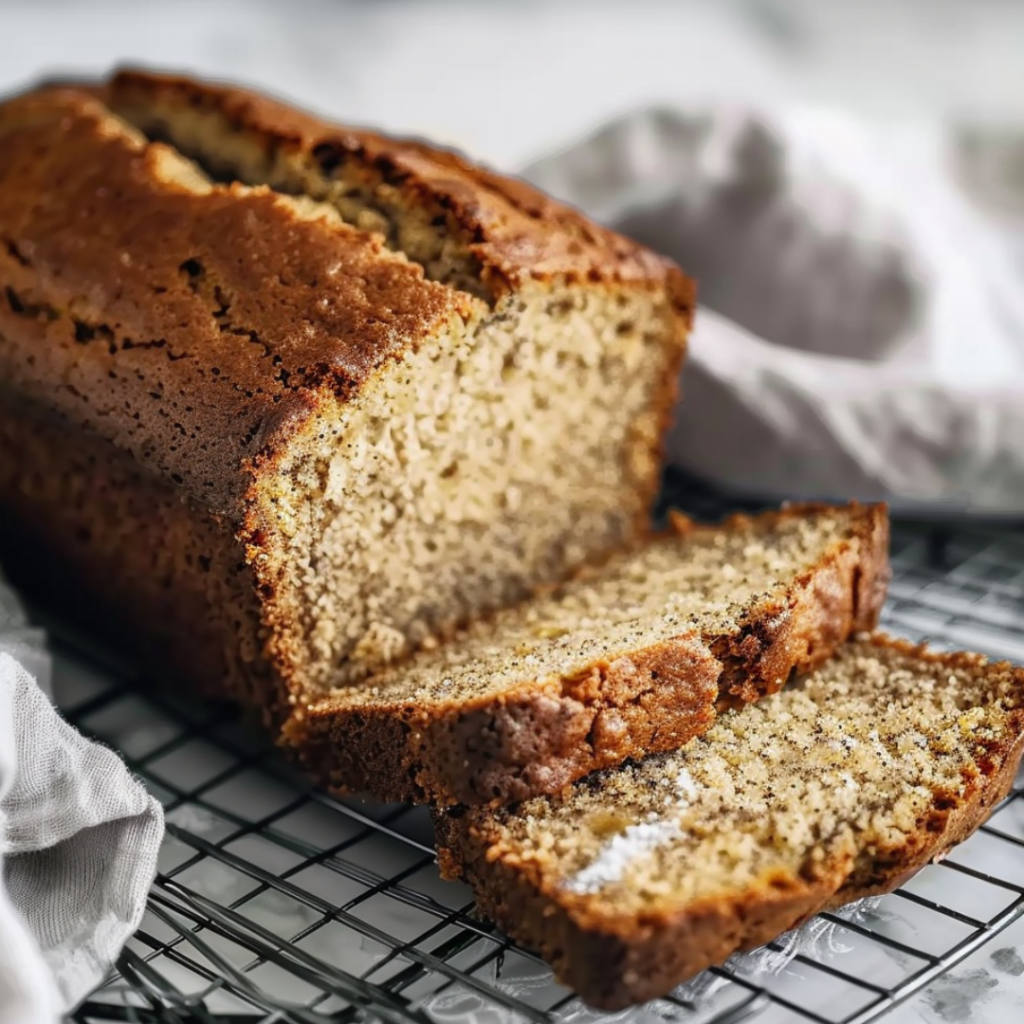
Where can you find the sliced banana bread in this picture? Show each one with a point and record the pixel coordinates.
(841, 786)
(625, 660)
(281, 400)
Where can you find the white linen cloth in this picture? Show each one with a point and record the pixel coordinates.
(79, 838)
(861, 330)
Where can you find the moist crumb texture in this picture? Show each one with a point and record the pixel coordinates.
(631, 657)
(369, 390)
(839, 786)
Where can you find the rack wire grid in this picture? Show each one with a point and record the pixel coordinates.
(275, 902)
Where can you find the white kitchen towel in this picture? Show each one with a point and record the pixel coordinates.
(861, 322)
(79, 838)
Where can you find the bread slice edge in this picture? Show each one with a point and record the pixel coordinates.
(529, 741)
(614, 962)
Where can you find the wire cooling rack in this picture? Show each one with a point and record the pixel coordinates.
(276, 903)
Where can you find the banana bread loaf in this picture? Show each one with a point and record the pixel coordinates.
(283, 401)
(629, 659)
(840, 786)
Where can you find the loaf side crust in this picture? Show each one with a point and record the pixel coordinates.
(538, 738)
(615, 962)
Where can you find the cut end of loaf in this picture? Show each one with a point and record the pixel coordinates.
(835, 788)
(503, 455)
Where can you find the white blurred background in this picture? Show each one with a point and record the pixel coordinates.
(506, 79)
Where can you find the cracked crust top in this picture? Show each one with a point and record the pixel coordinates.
(514, 232)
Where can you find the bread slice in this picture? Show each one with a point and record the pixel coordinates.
(628, 659)
(841, 786)
(281, 400)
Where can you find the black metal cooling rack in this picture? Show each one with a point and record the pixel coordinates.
(277, 903)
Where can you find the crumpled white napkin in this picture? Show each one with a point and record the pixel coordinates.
(861, 331)
(79, 838)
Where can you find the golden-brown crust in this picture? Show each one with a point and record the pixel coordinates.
(188, 327)
(613, 961)
(538, 738)
(515, 232)
(534, 741)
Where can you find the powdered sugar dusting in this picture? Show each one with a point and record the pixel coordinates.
(635, 841)
(686, 787)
